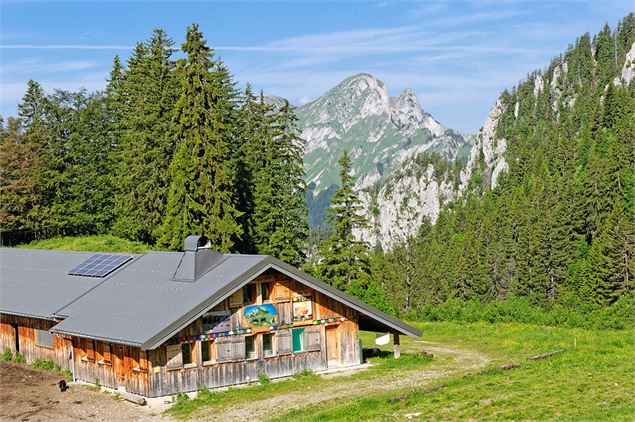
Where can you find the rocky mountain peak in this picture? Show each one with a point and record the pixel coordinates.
(405, 111)
(379, 131)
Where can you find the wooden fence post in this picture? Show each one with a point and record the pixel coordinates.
(396, 345)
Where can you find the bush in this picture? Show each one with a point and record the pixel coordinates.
(19, 358)
(263, 378)
(7, 355)
(570, 311)
(305, 373)
(46, 364)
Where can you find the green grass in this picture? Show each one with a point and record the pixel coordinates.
(591, 380)
(49, 365)
(101, 243)
(207, 400)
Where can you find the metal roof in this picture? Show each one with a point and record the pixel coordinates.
(34, 282)
(142, 304)
(136, 305)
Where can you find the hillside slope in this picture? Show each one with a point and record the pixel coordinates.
(549, 186)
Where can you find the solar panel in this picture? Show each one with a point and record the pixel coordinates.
(100, 265)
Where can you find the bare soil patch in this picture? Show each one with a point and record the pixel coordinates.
(31, 394)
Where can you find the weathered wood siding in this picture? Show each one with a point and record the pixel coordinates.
(112, 365)
(165, 380)
(27, 331)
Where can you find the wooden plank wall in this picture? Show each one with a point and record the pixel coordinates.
(166, 381)
(60, 353)
(126, 367)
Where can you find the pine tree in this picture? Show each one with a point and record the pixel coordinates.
(343, 258)
(202, 197)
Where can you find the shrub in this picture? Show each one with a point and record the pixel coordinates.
(7, 355)
(263, 378)
(46, 364)
(569, 311)
(305, 373)
(19, 358)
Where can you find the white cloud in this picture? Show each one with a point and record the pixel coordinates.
(65, 47)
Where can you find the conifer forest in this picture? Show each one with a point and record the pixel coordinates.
(172, 147)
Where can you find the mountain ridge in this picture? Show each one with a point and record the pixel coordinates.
(380, 132)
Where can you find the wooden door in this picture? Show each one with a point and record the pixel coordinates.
(332, 346)
(118, 363)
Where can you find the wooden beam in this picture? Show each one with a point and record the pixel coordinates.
(133, 398)
(396, 345)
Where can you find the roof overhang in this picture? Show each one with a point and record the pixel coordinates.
(21, 314)
(371, 319)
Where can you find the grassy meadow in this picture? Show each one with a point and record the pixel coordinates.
(97, 243)
(591, 380)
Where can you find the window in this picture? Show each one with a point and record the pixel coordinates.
(236, 299)
(186, 350)
(249, 293)
(223, 349)
(217, 321)
(285, 345)
(206, 354)
(266, 289)
(250, 347)
(43, 338)
(299, 342)
(174, 356)
(267, 344)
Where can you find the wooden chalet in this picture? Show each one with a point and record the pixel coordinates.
(166, 322)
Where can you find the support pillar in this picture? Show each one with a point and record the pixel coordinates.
(396, 345)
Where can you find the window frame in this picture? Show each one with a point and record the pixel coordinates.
(168, 350)
(250, 294)
(268, 287)
(272, 343)
(254, 343)
(302, 338)
(191, 347)
(209, 359)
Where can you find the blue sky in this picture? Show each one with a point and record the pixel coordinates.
(456, 55)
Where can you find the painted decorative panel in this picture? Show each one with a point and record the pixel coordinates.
(260, 315)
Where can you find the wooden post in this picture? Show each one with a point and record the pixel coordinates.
(396, 345)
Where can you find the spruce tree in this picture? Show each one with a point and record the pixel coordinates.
(78, 176)
(343, 260)
(250, 157)
(279, 214)
(143, 100)
(202, 198)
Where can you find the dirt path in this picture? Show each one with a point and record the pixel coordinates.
(30, 394)
(448, 360)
